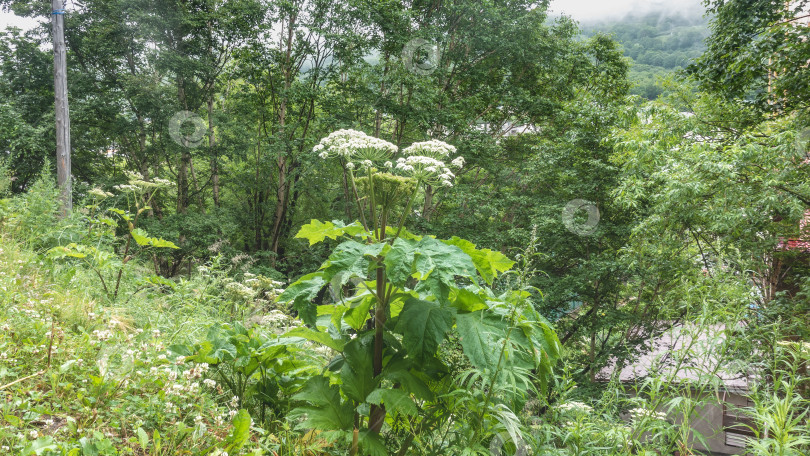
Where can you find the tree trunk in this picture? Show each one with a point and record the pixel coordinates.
(213, 151)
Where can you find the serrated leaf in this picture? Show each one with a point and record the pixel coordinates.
(317, 336)
(143, 439)
(302, 292)
(240, 433)
(357, 372)
(372, 444)
(326, 412)
(395, 400)
(467, 301)
(488, 263)
(399, 261)
(357, 316)
(479, 334)
(423, 325)
(437, 264)
(140, 237)
(317, 231)
(351, 259)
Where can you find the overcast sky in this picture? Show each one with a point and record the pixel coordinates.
(9, 19)
(595, 10)
(581, 10)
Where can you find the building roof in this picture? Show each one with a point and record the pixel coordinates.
(688, 353)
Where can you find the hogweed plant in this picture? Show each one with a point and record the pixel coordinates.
(97, 250)
(396, 297)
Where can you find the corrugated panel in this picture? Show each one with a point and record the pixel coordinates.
(735, 440)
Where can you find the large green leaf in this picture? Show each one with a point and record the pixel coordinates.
(317, 336)
(240, 433)
(399, 261)
(357, 373)
(395, 400)
(489, 263)
(325, 411)
(479, 334)
(302, 292)
(144, 240)
(467, 301)
(437, 264)
(372, 444)
(316, 231)
(350, 259)
(423, 325)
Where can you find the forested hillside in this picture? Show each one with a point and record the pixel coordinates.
(659, 44)
(389, 228)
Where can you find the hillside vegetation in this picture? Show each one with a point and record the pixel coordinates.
(658, 43)
(280, 246)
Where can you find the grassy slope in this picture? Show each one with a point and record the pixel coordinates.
(81, 378)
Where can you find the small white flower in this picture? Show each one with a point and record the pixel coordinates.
(388, 164)
(33, 435)
(350, 165)
(458, 162)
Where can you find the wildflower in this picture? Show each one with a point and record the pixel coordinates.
(350, 165)
(575, 405)
(433, 148)
(351, 144)
(209, 382)
(458, 162)
(33, 435)
(99, 193)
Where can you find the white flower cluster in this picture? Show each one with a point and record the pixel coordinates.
(433, 148)
(639, 413)
(238, 291)
(575, 405)
(426, 168)
(99, 193)
(353, 145)
(426, 161)
(136, 183)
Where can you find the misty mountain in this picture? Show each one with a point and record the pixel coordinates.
(658, 44)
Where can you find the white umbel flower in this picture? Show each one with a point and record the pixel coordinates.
(354, 145)
(433, 148)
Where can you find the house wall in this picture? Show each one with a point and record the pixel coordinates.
(708, 422)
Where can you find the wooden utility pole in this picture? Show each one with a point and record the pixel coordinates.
(62, 112)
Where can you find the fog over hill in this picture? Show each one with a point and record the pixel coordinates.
(589, 12)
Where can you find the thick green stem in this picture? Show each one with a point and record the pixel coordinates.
(407, 211)
(376, 416)
(373, 204)
(357, 199)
